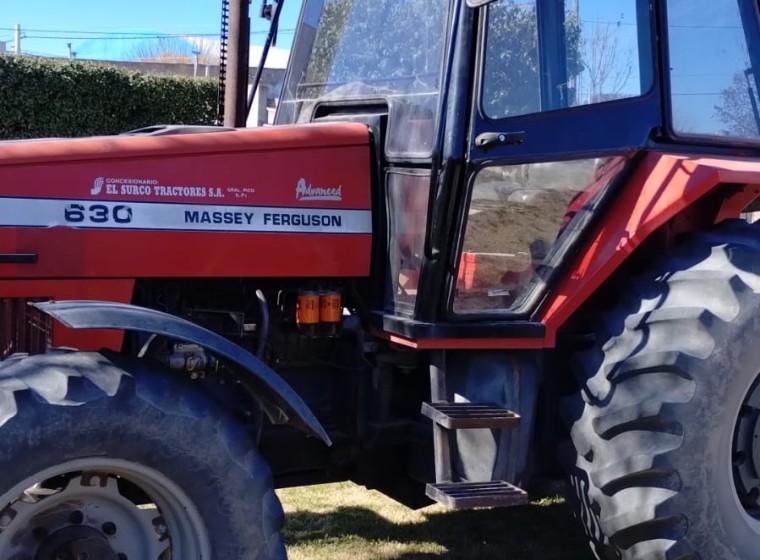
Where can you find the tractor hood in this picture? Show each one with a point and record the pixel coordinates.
(280, 201)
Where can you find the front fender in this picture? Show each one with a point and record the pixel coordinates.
(265, 382)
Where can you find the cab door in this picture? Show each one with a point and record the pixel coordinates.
(566, 91)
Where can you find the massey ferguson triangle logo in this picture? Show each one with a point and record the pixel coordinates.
(306, 192)
(97, 186)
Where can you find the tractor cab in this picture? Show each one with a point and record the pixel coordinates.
(487, 240)
(502, 127)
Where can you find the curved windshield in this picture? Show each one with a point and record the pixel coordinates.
(370, 49)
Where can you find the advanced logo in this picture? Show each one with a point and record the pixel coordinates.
(306, 192)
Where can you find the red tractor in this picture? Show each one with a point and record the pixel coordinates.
(479, 231)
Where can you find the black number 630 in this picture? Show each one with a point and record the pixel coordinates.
(97, 214)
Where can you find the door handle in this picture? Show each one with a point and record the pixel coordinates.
(488, 140)
(18, 258)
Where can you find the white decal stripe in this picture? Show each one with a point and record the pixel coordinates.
(45, 212)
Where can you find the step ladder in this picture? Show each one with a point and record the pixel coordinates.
(450, 416)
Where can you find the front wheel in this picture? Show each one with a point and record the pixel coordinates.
(665, 429)
(107, 457)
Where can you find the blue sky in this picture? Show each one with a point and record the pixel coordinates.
(48, 25)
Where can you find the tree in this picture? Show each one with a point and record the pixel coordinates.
(735, 110)
(174, 48)
(512, 82)
(608, 64)
(378, 42)
(598, 63)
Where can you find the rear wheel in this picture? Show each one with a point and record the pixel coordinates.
(665, 454)
(106, 457)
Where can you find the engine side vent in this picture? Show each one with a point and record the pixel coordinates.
(23, 328)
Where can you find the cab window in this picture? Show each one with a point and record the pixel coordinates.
(534, 63)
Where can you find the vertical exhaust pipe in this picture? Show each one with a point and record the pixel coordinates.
(236, 87)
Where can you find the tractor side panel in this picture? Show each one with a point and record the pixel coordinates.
(271, 202)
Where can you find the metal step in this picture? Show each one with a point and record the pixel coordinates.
(465, 495)
(462, 416)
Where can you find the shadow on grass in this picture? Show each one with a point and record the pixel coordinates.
(532, 532)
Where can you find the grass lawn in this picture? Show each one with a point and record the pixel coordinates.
(346, 522)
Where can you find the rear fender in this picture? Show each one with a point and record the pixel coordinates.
(662, 187)
(282, 403)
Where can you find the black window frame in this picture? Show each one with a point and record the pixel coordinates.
(553, 136)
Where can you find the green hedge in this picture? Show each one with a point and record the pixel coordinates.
(46, 98)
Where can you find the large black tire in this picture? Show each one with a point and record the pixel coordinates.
(149, 437)
(665, 455)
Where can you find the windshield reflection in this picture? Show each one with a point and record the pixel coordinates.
(360, 49)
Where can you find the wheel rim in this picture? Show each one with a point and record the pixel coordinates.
(100, 509)
(745, 453)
